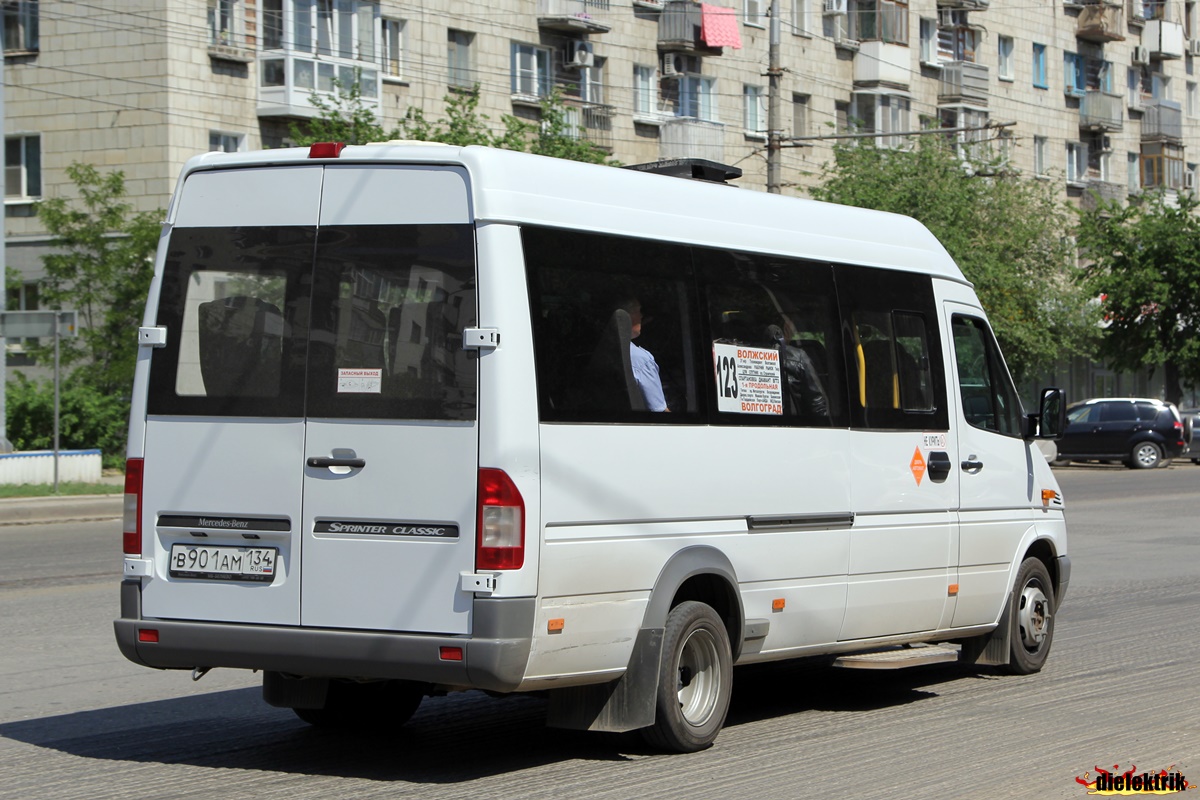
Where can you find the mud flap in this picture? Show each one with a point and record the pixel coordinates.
(625, 704)
(991, 649)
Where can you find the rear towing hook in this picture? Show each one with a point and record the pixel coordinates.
(200, 672)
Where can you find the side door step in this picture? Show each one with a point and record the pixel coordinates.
(899, 657)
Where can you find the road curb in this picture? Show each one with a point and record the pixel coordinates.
(45, 510)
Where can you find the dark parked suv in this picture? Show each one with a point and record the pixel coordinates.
(1141, 433)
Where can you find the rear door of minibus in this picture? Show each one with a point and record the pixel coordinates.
(310, 447)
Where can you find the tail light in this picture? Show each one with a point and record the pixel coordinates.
(133, 507)
(500, 529)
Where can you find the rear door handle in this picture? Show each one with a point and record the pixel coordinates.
(327, 461)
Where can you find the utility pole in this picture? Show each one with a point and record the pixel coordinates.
(5, 445)
(774, 133)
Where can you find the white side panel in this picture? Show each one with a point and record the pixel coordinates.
(231, 468)
(620, 501)
(416, 475)
(382, 194)
(256, 196)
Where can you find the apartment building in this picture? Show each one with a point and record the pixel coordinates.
(1095, 96)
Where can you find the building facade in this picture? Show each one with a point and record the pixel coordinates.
(1099, 97)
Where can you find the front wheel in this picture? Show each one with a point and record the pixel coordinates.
(1031, 617)
(695, 680)
(1145, 455)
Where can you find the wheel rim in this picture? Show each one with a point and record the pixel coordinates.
(1034, 616)
(1147, 455)
(699, 680)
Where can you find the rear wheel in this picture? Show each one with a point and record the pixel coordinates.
(378, 706)
(695, 680)
(1145, 455)
(1032, 618)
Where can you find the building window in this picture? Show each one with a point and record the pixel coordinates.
(20, 26)
(225, 142)
(645, 92)
(531, 70)
(800, 114)
(1004, 64)
(22, 297)
(1039, 66)
(927, 31)
(458, 58)
(391, 51)
(223, 23)
(754, 12)
(879, 20)
(325, 44)
(754, 109)
(957, 38)
(1193, 100)
(22, 167)
(697, 97)
(1074, 72)
(882, 113)
(1133, 178)
(1077, 162)
(1162, 166)
(800, 16)
(1039, 155)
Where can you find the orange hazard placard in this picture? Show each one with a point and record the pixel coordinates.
(917, 465)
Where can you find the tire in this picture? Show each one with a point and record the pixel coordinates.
(1031, 617)
(695, 680)
(374, 707)
(1145, 455)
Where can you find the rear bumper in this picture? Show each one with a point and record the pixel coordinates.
(493, 657)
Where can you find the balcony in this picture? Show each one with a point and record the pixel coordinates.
(965, 5)
(679, 27)
(688, 137)
(1096, 191)
(574, 16)
(1101, 22)
(286, 79)
(1163, 39)
(1101, 111)
(883, 62)
(963, 82)
(1162, 119)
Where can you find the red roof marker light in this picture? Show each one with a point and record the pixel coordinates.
(326, 149)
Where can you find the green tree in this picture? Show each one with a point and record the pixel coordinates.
(1009, 236)
(101, 265)
(1143, 262)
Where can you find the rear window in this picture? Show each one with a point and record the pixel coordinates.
(350, 322)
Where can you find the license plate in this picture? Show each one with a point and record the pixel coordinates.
(223, 563)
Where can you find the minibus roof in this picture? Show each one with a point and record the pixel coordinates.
(520, 188)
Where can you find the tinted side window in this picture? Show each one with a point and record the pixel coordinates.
(1148, 412)
(775, 346)
(235, 304)
(1121, 411)
(890, 330)
(989, 399)
(614, 326)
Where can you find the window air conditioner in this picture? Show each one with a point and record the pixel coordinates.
(579, 55)
(1141, 55)
(1194, 47)
(674, 65)
(835, 7)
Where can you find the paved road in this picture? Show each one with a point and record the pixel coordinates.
(77, 721)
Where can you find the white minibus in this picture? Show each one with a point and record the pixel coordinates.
(414, 418)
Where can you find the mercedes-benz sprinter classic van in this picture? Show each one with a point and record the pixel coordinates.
(417, 418)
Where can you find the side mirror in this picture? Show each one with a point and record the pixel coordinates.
(1052, 414)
